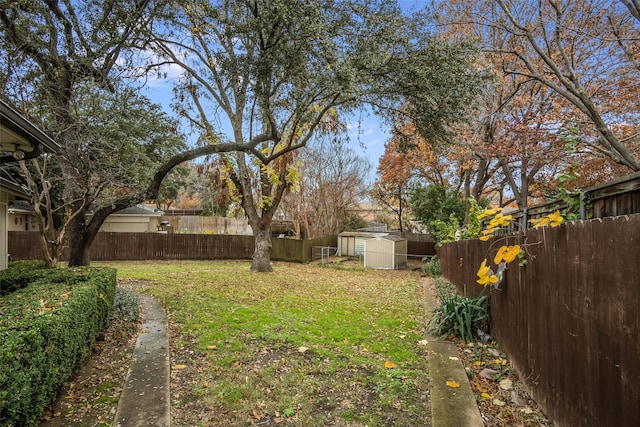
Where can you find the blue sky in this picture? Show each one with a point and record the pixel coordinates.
(367, 135)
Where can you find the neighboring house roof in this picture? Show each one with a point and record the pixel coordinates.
(17, 134)
(139, 210)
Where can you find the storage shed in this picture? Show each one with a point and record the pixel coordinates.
(351, 243)
(387, 252)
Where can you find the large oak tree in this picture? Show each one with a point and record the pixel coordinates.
(275, 72)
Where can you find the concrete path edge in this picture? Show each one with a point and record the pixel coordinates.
(450, 406)
(145, 398)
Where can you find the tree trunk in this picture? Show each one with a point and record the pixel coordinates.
(79, 243)
(261, 260)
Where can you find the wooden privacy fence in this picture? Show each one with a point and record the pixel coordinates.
(612, 198)
(157, 246)
(570, 318)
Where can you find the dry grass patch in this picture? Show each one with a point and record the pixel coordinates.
(305, 345)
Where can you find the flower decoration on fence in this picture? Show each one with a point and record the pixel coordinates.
(504, 256)
(498, 220)
(506, 253)
(485, 275)
(553, 219)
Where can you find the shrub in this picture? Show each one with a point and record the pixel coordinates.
(125, 313)
(432, 267)
(20, 274)
(46, 330)
(460, 315)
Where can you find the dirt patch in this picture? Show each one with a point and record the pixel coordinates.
(501, 395)
(94, 391)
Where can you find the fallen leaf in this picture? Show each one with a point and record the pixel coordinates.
(486, 395)
(478, 363)
(453, 358)
(178, 367)
(423, 342)
(302, 349)
(498, 402)
(389, 365)
(487, 373)
(452, 384)
(256, 414)
(480, 388)
(506, 384)
(517, 399)
(526, 411)
(212, 347)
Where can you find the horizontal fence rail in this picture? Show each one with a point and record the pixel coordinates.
(568, 319)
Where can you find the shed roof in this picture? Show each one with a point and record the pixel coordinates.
(393, 238)
(361, 234)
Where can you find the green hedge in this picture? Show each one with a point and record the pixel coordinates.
(21, 274)
(46, 330)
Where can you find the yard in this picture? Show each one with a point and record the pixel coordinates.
(305, 345)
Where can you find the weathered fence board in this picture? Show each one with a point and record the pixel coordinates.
(569, 319)
(151, 246)
(145, 246)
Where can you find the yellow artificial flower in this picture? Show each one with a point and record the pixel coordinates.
(486, 234)
(488, 212)
(484, 268)
(540, 222)
(487, 280)
(500, 220)
(507, 254)
(485, 274)
(555, 219)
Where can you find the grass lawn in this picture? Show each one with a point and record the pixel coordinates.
(305, 345)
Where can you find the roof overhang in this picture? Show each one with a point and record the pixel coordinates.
(12, 188)
(19, 134)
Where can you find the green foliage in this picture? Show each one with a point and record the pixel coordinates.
(354, 221)
(573, 198)
(436, 202)
(177, 180)
(46, 330)
(19, 275)
(460, 315)
(432, 267)
(452, 230)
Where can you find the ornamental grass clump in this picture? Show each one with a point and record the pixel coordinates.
(461, 316)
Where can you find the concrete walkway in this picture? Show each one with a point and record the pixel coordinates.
(450, 406)
(145, 398)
